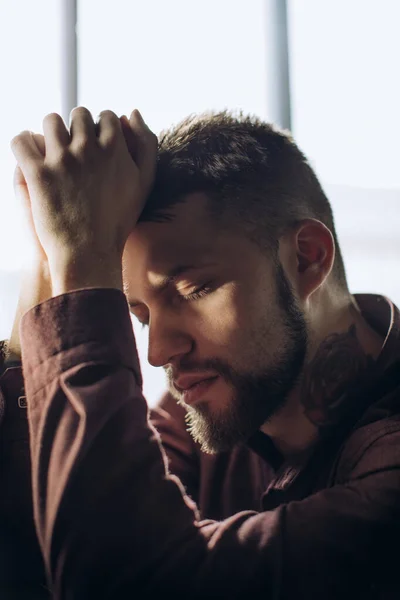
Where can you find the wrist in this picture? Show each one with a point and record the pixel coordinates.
(83, 273)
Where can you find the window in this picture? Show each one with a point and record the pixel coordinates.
(174, 58)
(31, 58)
(345, 102)
(171, 59)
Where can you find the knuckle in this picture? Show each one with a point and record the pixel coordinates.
(108, 114)
(51, 119)
(41, 174)
(64, 158)
(81, 111)
(84, 148)
(153, 139)
(111, 140)
(38, 137)
(17, 140)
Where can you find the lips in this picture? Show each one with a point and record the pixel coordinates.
(196, 388)
(183, 384)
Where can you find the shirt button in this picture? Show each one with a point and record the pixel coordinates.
(22, 403)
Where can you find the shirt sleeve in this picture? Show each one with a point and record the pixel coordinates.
(114, 523)
(168, 418)
(3, 347)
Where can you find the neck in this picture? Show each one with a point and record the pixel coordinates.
(339, 356)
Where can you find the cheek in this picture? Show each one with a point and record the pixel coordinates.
(250, 328)
(223, 320)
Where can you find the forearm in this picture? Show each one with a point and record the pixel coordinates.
(113, 523)
(111, 520)
(93, 441)
(184, 461)
(39, 283)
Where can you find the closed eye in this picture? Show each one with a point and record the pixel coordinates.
(197, 294)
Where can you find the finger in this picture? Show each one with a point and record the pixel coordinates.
(146, 144)
(55, 134)
(26, 152)
(82, 128)
(20, 185)
(40, 143)
(109, 128)
(129, 136)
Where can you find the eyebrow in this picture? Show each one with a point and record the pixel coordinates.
(169, 278)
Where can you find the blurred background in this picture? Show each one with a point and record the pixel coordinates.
(326, 69)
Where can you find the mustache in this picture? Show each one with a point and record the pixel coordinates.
(189, 368)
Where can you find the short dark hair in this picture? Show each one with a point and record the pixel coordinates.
(252, 173)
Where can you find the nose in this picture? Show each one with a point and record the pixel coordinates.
(168, 341)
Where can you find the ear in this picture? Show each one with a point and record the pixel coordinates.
(312, 251)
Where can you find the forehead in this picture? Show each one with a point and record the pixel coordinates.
(190, 236)
(189, 244)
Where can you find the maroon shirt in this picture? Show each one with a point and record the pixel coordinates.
(112, 520)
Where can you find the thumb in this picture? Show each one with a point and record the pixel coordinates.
(130, 138)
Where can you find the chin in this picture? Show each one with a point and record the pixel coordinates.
(214, 431)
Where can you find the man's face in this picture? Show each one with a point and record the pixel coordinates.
(227, 318)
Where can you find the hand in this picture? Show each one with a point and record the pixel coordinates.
(86, 194)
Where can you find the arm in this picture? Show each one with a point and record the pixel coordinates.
(113, 523)
(36, 281)
(22, 570)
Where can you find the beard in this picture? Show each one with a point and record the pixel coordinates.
(256, 397)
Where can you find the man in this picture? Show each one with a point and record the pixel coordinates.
(233, 263)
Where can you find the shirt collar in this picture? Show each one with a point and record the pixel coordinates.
(383, 316)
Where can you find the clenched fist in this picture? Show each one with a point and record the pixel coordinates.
(86, 192)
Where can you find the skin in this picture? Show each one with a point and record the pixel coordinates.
(255, 324)
(36, 276)
(271, 329)
(65, 173)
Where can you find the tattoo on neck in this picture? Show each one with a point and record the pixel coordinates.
(335, 370)
(7, 358)
(3, 352)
